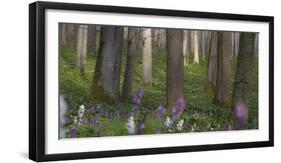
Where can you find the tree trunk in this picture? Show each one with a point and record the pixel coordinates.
(223, 69)
(81, 50)
(162, 39)
(185, 47)
(92, 39)
(241, 90)
(132, 52)
(196, 47)
(106, 81)
(205, 44)
(62, 29)
(175, 67)
(212, 61)
(98, 33)
(155, 40)
(236, 43)
(125, 40)
(71, 34)
(147, 57)
(257, 45)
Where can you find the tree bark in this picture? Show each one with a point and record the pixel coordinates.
(196, 47)
(185, 39)
(241, 90)
(106, 80)
(236, 43)
(62, 29)
(147, 57)
(155, 40)
(132, 52)
(162, 39)
(81, 50)
(71, 34)
(223, 69)
(92, 39)
(175, 67)
(212, 59)
(257, 45)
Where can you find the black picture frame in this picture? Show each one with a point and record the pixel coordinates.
(37, 80)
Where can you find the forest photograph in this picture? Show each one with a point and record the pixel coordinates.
(124, 81)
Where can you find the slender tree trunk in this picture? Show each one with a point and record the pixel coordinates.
(139, 41)
(62, 29)
(92, 39)
(241, 90)
(162, 39)
(81, 50)
(223, 68)
(130, 61)
(189, 46)
(196, 47)
(125, 40)
(175, 67)
(98, 33)
(236, 43)
(106, 81)
(205, 44)
(147, 57)
(71, 34)
(212, 61)
(257, 45)
(155, 40)
(185, 39)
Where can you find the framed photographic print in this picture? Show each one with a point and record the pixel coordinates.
(118, 81)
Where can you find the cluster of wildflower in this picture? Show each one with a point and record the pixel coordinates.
(240, 115)
(77, 121)
(160, 111)
(177, 110)
(137, 99)
(130, 125)
(180, 125)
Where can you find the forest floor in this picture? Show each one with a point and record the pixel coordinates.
(102, 119)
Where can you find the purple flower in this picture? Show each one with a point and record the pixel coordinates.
(95, 119)
(84, 120)
(137, 96)
(160, 111)
(178, 108)
(73, 132)
(240, 115)
(135, 108)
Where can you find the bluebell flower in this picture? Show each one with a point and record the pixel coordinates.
(160, 111)
(84, 120)
(240, 115)
(137, 96)
(178, 108)
(73, 132)
(95, 119)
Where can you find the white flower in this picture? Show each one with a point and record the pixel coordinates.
(81, 111)
(180, 125)
(168, 122)
(75, 120)
(193, 128)
(131, 125)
